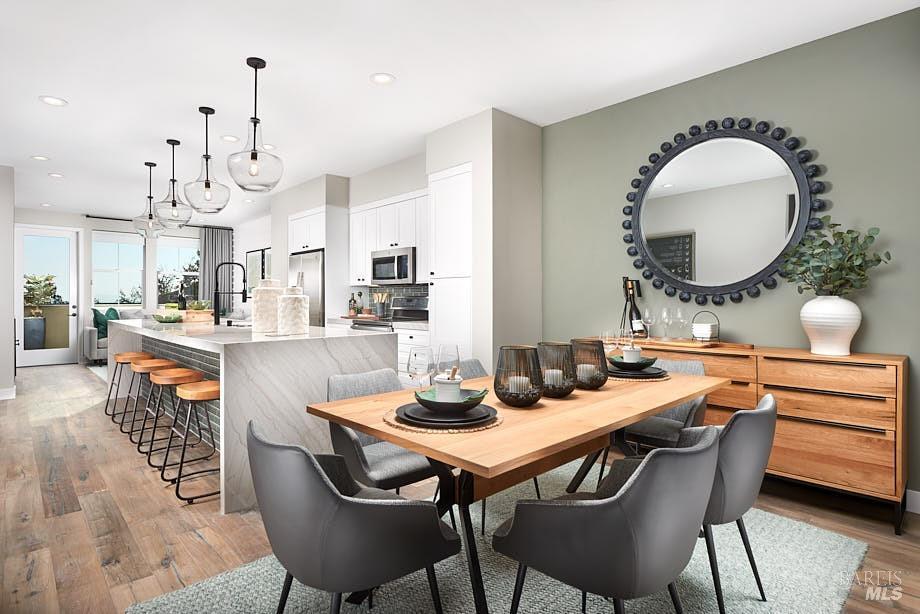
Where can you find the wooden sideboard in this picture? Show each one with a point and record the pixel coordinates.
(842, 421)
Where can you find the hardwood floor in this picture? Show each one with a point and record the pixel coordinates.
(87, 526)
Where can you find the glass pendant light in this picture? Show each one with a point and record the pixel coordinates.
(146, 224)
(171, 211)
(206, 194)
(255, 169)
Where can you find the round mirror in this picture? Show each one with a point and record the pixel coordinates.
(715, 210)
(719, 212)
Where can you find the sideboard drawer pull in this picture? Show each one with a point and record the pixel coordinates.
(835, 424)
(831, 393)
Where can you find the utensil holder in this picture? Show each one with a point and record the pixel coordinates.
(557, 361)
(518, 378)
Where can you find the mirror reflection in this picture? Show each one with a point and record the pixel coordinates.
(720, 211)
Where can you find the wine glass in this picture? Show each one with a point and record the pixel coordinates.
(420, 365)
(649, 319)
(681, 319)
(667, 316)
(448, 358)
(610, 340)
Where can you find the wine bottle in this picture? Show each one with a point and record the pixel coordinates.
(635, 316)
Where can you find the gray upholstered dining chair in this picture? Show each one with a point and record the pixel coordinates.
(744, 449)
(662, 430)
(335, 535)
(371, 461)
(652, 515)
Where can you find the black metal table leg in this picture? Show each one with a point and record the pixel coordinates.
(469, 540)
(618, 440)
(582, 472)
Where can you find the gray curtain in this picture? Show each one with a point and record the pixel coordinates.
(216, 247)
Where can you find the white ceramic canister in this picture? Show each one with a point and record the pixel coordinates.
(265, 306)
(447, 390)
(293, 312)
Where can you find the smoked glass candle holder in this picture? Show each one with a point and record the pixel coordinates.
(557, 361)
(590, 363)
(518, 379)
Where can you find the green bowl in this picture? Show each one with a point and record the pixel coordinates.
(619, 363)
(468, 400)
(167, 318)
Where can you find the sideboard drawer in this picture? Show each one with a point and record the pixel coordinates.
(738, 395)
(843, 456)
(876, 380)
(716, 416)
(739, 368)
(866, 411)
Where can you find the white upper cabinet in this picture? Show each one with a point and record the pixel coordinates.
(450, 213)
(396, 225)
(362, 237)
(307, 231)
(422, 242)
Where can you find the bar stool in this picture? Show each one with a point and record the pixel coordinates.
(161, 379)
(121, 358)
(142, 368)
(193, 393)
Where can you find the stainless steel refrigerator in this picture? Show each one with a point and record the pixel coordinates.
(307, 269)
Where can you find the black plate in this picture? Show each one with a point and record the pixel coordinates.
(405, 413)
(648, 373)
(417, 411)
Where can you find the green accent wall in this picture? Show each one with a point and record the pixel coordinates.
(853, 97)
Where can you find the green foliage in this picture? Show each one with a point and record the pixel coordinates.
(833, 262)
(38, 290)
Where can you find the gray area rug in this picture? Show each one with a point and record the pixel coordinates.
(804, 570)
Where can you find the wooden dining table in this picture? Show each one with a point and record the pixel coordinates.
(528, 442)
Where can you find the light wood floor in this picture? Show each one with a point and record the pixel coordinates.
(86, 526)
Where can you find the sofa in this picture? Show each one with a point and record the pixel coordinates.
(96, 349)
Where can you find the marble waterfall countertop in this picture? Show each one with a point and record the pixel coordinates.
(213, 338)
(264, 378)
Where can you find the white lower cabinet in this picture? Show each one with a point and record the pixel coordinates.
(408, 339)
(450, 313)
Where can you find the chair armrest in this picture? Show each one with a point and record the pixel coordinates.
(620, 472)
(346, 444)
(336, 469)
(90, 341)
(694, 410)
(689, 437)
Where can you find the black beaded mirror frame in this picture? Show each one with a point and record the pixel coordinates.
(808, 206)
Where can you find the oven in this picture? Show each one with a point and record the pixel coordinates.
(393, 266)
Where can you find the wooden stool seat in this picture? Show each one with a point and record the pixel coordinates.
(208, 390)
(174, 377)
(153, 364)
(128, 357)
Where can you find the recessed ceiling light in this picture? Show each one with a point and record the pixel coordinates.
(46, 204)
(267, 146)
(382, 78)
(248, 200)
(54, 101)
(56, 175)
(668, 185)
(229, 138)
(40, 158)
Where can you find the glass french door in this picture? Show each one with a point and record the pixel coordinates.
(47, 289)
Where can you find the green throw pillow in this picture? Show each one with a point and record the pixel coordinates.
(101, 321)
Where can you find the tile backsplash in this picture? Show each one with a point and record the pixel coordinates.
(407, 290)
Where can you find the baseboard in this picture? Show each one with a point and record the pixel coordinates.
(913, 501)
(10, 393)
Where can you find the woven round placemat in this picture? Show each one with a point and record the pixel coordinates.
(632, 379)
(391, 419)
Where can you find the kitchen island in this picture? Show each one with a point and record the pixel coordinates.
(266, 378)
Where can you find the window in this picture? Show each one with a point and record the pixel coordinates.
(118, 268)
(178, 261)
(258, 267)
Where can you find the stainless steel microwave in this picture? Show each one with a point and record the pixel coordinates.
(393, 266)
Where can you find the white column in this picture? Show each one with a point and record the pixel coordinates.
(7, 250)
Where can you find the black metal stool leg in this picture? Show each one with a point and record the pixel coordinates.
(115, 414)
(140, 438)
(137, 400)
(132, 430)
(192, 407)
(116, 380)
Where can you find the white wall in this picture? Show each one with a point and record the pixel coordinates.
(7, 216)
(247, 236)
(302, 196)
(738, 227)
(393, 179)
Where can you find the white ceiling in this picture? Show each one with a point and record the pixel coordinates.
(717, 163)
(135, 74)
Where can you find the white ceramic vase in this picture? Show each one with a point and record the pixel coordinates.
(830, 323)
(265, 306)
(293, 312)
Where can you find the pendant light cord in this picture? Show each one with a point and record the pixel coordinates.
(150, 191)
(207, 156)
(172, 180)
(255, 107)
